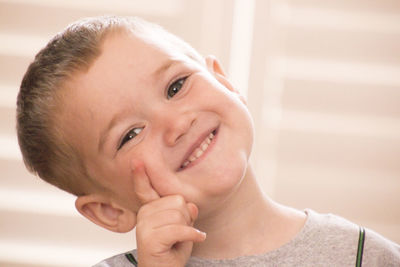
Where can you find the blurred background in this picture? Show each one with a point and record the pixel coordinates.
(322, 79)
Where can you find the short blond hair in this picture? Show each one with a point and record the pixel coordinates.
(44, 147)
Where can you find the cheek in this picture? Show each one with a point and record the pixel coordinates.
(123, 185)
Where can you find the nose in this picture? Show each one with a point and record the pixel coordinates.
(175, 125)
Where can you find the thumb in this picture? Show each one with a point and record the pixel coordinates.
(141, 182)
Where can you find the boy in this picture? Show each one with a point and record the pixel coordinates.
(149, 134)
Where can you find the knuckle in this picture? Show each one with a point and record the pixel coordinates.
(140, 226)
(178, 217)
(183, 230)
(179, 200)
(187, 232)
(141, 213)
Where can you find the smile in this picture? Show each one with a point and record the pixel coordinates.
(199, 151)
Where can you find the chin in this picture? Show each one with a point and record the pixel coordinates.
(224, 185)
(227, 178)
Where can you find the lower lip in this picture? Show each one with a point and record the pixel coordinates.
(205, 153)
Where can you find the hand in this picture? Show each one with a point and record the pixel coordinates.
(164, 230)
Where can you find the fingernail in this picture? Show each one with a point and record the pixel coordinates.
(202, 233)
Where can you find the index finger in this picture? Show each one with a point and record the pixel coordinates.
(142, 184)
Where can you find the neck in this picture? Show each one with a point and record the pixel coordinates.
(248, 223)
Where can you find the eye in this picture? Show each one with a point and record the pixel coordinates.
(130, 135)
(175, 87)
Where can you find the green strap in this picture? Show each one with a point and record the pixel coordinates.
(131, 259)
(360, 249)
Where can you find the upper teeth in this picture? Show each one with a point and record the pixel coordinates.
(199, 150)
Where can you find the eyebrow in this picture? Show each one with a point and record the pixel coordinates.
(165, 66)
(118, 117)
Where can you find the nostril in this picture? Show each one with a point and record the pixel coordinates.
(178, 130)
(179, 137)
(192, 123)
(174, 135)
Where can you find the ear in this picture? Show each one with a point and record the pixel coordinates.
(215, 68)
(105, 213)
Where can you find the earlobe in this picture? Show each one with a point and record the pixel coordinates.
(106, 214)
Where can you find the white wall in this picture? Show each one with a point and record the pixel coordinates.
(327, 107)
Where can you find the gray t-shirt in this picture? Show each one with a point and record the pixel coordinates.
(325, 240)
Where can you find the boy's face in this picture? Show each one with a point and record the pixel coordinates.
(142, 101)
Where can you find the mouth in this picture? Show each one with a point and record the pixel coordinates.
(199, 150)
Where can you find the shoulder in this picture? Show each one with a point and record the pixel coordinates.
(325, 238)
(379, 251)
(330, 229)
(342, 236)
(120, 260)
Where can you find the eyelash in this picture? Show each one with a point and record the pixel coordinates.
(180, 82)
(129, 136)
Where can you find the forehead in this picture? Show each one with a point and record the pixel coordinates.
(138, 47)
(127, 56)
